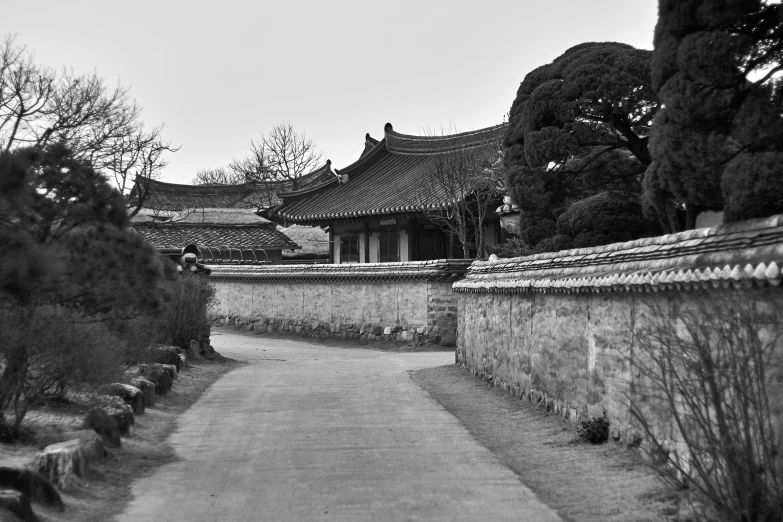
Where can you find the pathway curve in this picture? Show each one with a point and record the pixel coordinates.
(311, 432)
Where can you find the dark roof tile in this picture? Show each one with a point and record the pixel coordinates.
(253, 195)
(180, 235)
(388, 179)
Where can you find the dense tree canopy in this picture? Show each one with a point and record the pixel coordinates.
(578, 129)
(717, 143)
(64, 237)
(79, 291)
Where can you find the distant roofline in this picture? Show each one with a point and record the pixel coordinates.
(445, 143)
(237, 187)
(170, 224)
(383, 146)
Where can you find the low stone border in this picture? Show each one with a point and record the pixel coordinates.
(363, 331)
(63, 461)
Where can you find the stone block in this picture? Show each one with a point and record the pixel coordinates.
(32, 485)
(131, 395)
(147, 389)
(64, 461)
(18, 504)
(388, 330)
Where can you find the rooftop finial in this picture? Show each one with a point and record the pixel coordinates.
(388, 127)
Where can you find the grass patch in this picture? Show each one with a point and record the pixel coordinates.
(580, 480)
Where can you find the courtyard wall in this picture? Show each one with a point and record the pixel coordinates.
(410, 302)
(561, 329)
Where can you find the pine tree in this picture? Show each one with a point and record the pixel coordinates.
(578, 130)
(717, 143)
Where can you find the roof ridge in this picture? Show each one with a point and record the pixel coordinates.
(428, 145)
(389, 130)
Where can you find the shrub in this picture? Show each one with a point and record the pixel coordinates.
(44, 351)
(707, 369)
(513, 247)
(595, 430)
(189, 299)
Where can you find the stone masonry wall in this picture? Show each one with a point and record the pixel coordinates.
(567, 329)
(411, 311)
(571, 353)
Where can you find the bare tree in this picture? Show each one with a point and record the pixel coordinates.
(99, 124)
(460, 189)
(707, 373)
(25, 93)
(218, 176)
(239, 171)
(136, 158)
(284, 154)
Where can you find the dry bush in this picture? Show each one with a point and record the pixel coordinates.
(707, 371)
(138, 334)
(44, 352)
(189, 300)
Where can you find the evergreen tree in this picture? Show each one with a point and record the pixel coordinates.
(64, 237)
(717, 143)
(578, 129)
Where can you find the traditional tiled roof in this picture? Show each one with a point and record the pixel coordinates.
(386, 180)
(215, 228)
(222, 216)
(313, 240)
(441, 269)
(255, 195)
(737, 255)
(369, 144)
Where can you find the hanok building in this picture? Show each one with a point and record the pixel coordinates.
(371, 208)
(217, 235)
(159, 197)
(218, 223)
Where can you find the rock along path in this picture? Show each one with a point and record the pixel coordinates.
(310, 432)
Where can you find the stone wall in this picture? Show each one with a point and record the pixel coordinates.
(559, 329)
(409, 302)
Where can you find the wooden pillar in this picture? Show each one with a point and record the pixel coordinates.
(366, 241)
(331, 242)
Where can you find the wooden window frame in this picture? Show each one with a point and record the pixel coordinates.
(350, 254)
(384, 239)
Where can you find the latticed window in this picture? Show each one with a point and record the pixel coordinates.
(349, 248)
(388, 246)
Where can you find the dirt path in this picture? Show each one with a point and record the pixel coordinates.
(581, 481)
(306, 432)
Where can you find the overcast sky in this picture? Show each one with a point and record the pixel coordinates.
(219, 73)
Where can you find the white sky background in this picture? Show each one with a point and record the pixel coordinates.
(219, 73)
